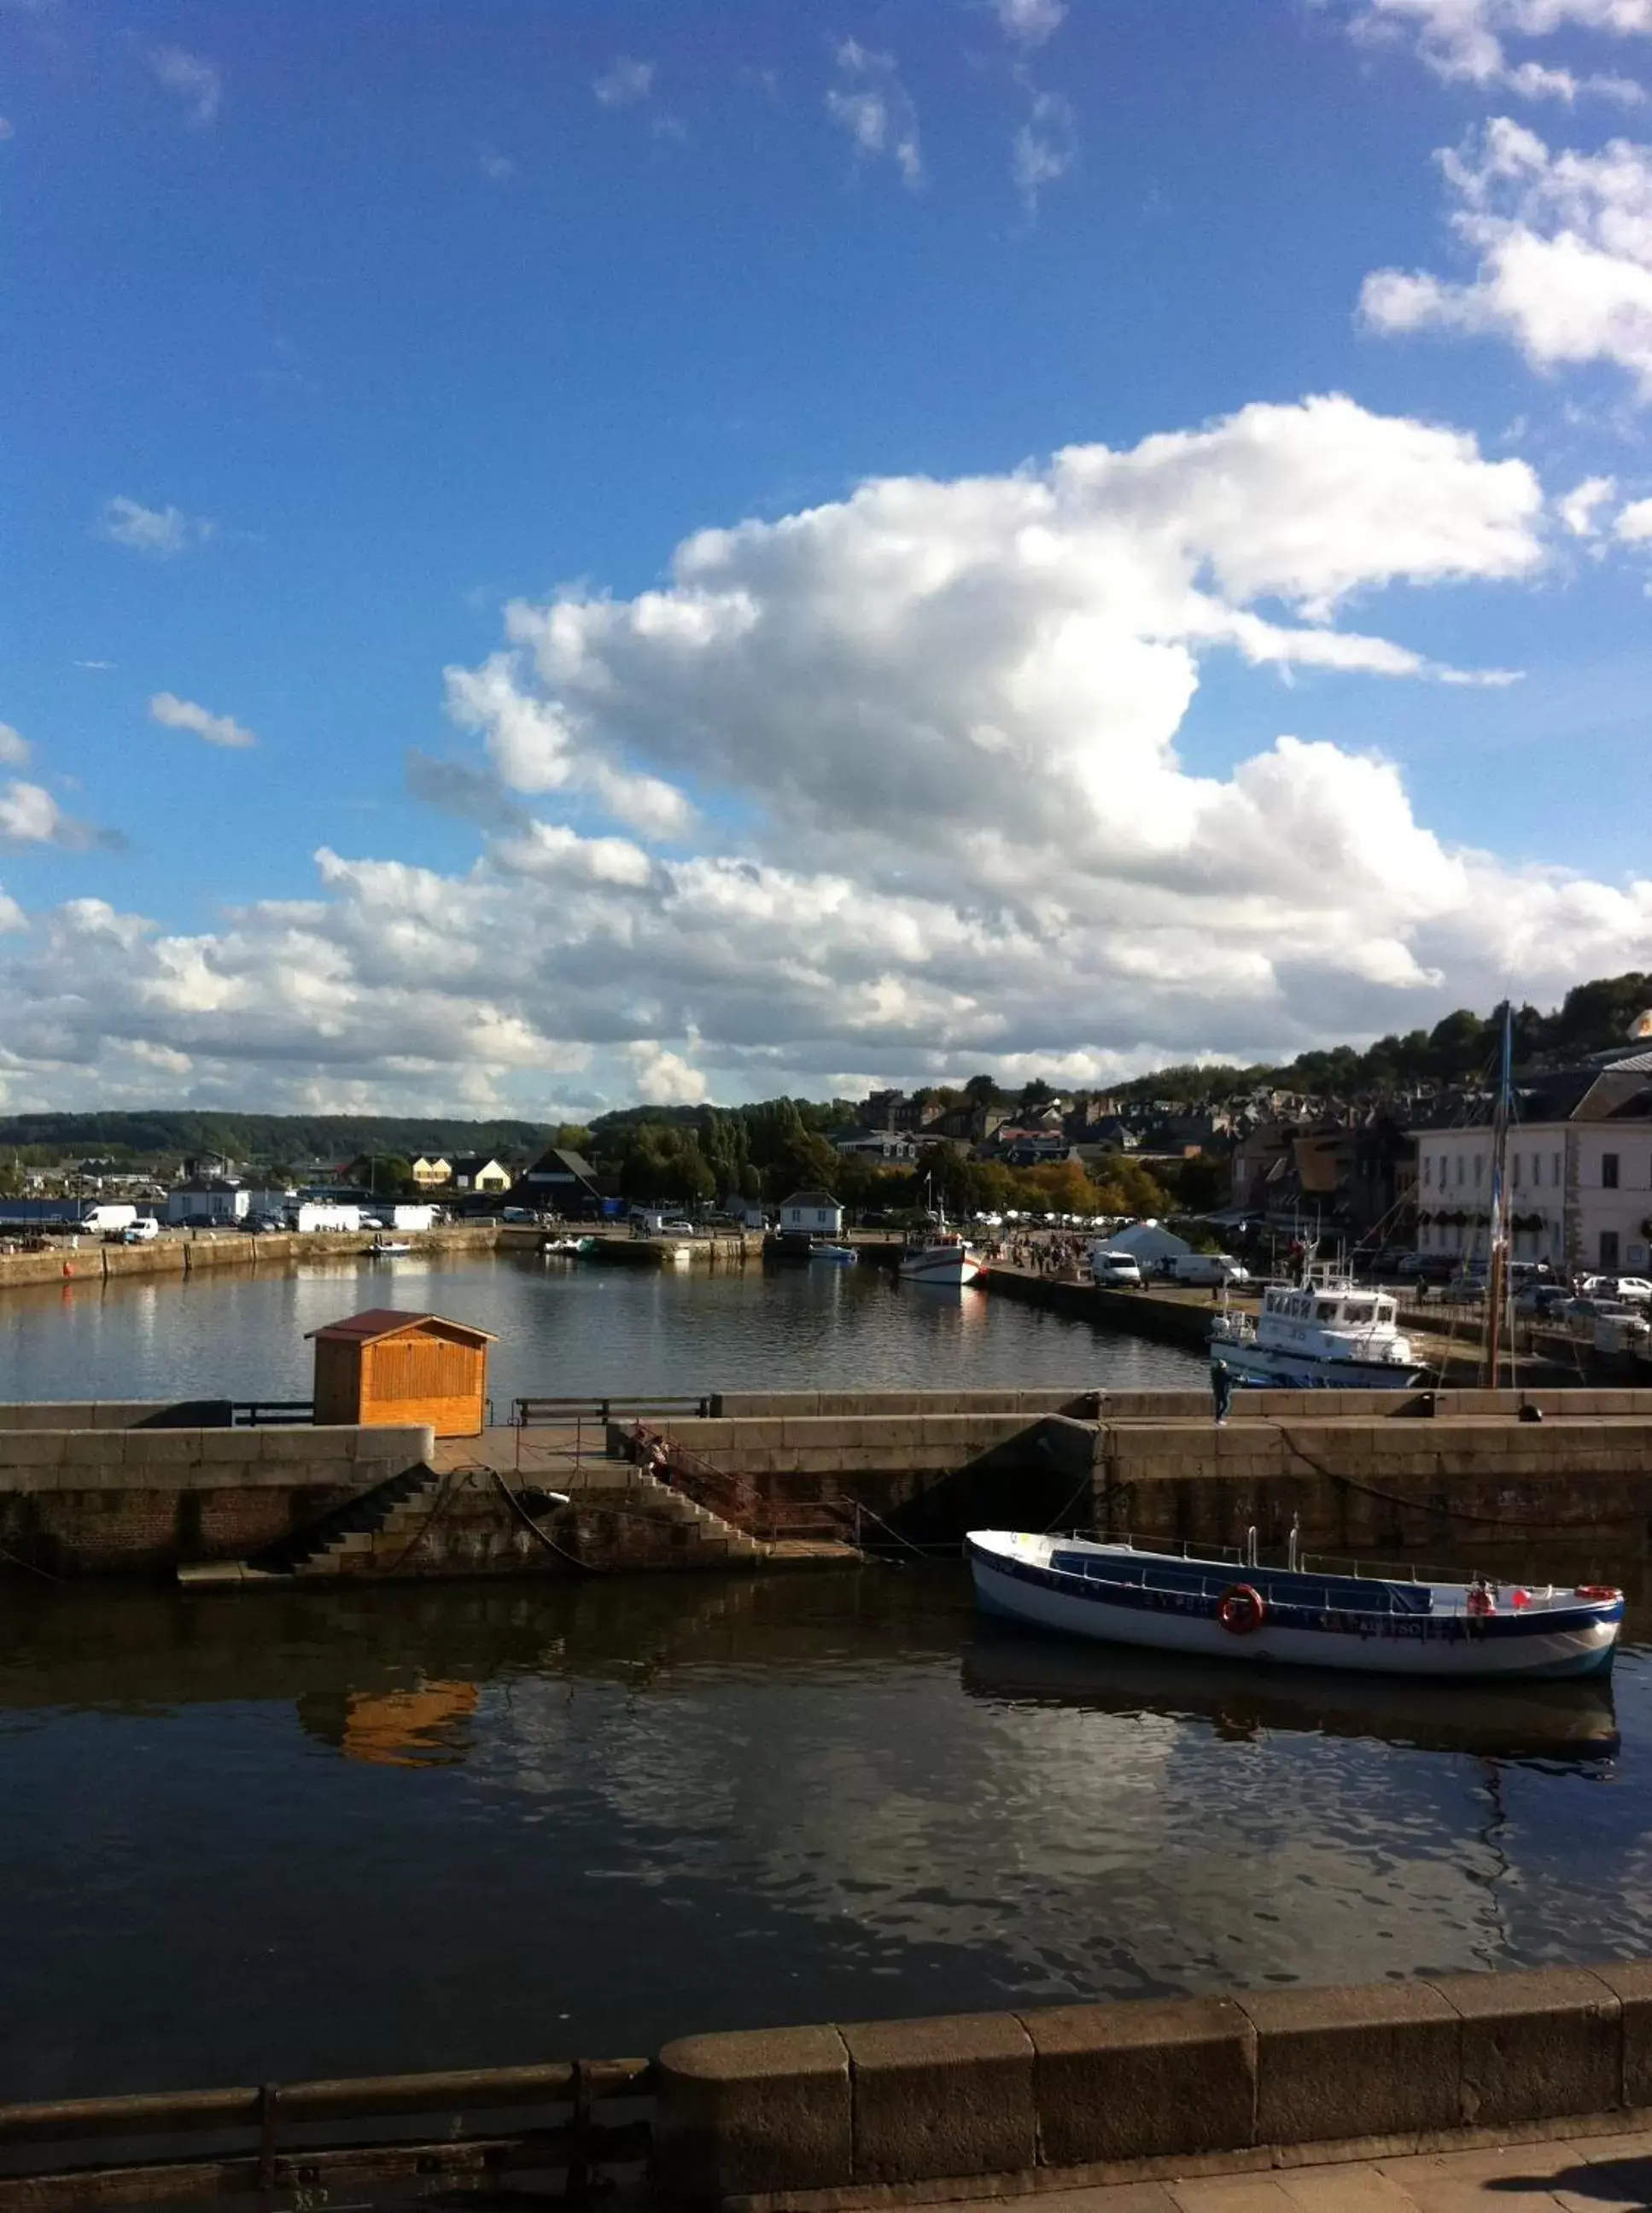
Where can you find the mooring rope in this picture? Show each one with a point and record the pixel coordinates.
(1451, 1513)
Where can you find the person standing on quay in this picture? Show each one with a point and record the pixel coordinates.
(1222, 1389)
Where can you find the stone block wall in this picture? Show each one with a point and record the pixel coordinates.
(915, 2111)
(89, 1501)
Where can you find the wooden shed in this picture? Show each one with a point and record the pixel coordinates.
(387, 1366)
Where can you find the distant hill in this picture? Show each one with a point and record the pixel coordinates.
(182, 1134)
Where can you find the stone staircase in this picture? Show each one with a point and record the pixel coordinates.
(378, 1525)
(373, 1535)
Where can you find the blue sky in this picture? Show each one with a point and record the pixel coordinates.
(342, 329)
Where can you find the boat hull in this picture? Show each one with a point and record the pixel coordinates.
(1295, 1371)
(951, 1270)
(1577, 1643)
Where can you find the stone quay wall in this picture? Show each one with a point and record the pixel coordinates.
(128, 1500)
(1372, 1473)
(1013, 2103)
(188, 1254)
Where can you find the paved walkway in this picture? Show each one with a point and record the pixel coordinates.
(1587, 2174)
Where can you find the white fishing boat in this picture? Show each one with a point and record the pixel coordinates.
(387, 1248)
(566, 1249)
(1324, 1331)
(835, 1256)
(940, 1255)
(1300, 1615)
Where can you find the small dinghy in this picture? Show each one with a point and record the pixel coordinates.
(1300, 1615)
(835, 1256)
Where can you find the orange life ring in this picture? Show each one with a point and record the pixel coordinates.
(1597, 1591)
(1481, 1602)
(1241, 1609)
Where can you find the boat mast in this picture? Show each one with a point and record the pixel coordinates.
(1497, 1278)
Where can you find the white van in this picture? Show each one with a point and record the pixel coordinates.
(1208, 1268)
(143, 1231)
(1118, 1272)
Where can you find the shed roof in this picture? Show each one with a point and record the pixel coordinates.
(818, 1199)
(385, 1321)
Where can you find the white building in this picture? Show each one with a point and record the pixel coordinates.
(216, 1203)
(811, 1213)
(1579, 1175)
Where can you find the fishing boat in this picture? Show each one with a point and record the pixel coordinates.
(1302, 1615)
(566, 1249)
(387, 1248)
(1324, 1330)
(836, 1256)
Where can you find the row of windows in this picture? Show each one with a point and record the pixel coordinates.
(1517, 1162)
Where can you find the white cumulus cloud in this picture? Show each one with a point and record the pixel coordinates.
(626, 82)
(198, 82)
(158, 530)
(1562, 244)
(1578, 508)
(166, 707)
(873, 105)
(14, 747)
(1469, 42)
(1044, 149)
(938, 722)
(1029, 22)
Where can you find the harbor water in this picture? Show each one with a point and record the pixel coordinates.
(297, 1833)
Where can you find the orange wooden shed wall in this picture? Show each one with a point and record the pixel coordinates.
(424, 1372)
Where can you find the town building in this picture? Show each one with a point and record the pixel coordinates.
(224, 1205)
(887, 1147)
(1579, 1173)
(811, 1213)
(430, 1174)
(478, 1172)
(561, 1182)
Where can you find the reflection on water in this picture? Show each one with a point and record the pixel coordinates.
(309, 1833)
(423, 1727)
(1555, 1721)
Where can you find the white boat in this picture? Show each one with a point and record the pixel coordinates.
(567, 1247)
(387, 1248)
(940, 1255)
(838, 1256)
(1323, 1331)
(1300, 1616)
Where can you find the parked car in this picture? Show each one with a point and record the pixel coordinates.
(1621, 1329)
(1116, 1271)
(1427, 1267)
(1540, 1300)
(1209, 1268)
(143, 1231)
(1629, 1290)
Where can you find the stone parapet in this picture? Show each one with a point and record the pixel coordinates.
(81, 1460)
(829, 2116)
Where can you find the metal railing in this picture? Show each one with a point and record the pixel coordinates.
(300, 2136)
(557, 1413)
(269, 1413)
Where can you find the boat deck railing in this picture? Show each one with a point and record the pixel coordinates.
(1446, 1585)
